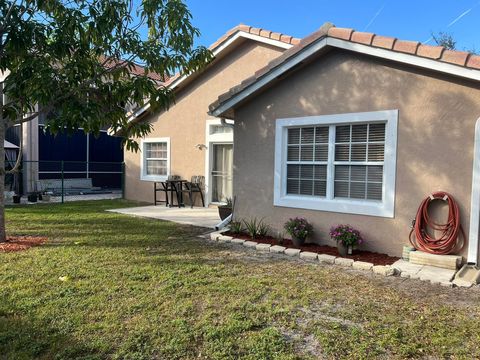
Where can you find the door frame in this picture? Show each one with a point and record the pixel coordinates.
(210, 140)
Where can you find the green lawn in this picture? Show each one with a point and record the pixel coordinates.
(146, 289)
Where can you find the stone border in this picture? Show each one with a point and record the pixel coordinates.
(384, 270)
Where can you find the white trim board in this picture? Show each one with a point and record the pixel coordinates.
(472, 257)
(210, 139)
(409, 59)
(384, 208)
(145, 177)
(215, 52)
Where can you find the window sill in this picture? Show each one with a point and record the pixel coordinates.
(154, 178)
(345, 206)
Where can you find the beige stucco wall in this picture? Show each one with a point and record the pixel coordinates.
(185, 122)
(437, 116)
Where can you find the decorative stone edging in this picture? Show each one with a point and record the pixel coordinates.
(384, 270)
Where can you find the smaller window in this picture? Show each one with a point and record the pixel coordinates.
(155, 159)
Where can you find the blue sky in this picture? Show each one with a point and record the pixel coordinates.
(406, 19)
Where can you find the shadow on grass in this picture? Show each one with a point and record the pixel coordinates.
(30, 339)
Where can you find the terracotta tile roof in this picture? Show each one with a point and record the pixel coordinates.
(287, 39)
(136, 69)
(438, 53)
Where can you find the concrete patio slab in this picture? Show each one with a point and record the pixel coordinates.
(198, 216)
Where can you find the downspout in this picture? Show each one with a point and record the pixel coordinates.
(472, 257)
(223, 122)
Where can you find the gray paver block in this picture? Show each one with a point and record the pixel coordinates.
(308, 255)
(263, 247)
(277, 249)
(237, 241)
(292, 252)
(327, 259)
(436, 274)
(214, 235)
(224, 238)
(343, 262)
(250, 244)
(407, 267)
(384, 270)
(362, 265)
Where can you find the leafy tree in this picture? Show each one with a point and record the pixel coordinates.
(74, 59)
(445, 39)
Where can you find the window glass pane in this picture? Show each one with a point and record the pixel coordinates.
(294, 136)
(359, 133)
(293, 171)
(293, 153)
(156, 167)
(320, 172)
(358, 173)
(375, 173)
(342, 172)
(359, 152)
(341, 189)
(342, 152)
(306, 153)
(307, 135)
(321, 152)
(293, 186)
(376, 132)
(156, 150)
(374, 191)
(306, 187)
(321, 135)
(320, 188)
(342, 133)
(306, 171)
(357, 190)
(219, 129)
(376, 152)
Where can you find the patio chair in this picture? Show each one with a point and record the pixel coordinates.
(195, 185)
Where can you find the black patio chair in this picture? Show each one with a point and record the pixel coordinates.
(194, 186)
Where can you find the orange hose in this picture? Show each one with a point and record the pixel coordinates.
(449, 239)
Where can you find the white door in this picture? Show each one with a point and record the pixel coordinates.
(222, 171)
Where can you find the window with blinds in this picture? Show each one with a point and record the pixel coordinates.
(343, 163)
(307, 157)
(357, 161)
(358, 164)
(155, 159)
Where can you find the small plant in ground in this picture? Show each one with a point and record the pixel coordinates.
(298, 228)
(256, 227)
(346, 234)
(279, 237)
(236, 227)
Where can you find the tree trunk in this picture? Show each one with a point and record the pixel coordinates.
(3, 236)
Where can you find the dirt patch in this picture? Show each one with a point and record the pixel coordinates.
(358, 255)
(20, 243)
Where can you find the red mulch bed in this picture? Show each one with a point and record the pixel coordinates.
(358, 255)
(20, 243)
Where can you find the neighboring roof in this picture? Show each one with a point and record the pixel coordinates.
(136, 69)
(9, 145)
(437, 58)
(223, 43)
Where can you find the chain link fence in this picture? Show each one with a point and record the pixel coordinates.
(62, 181)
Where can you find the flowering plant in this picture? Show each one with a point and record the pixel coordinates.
(346, 234)
(298, 227)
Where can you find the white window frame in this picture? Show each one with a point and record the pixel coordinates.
(384, 208)
(143, 160)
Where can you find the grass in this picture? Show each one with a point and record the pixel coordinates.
(146, 289)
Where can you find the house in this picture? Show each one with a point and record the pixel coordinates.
(185, 140)
(97, 159)
(356, 128)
